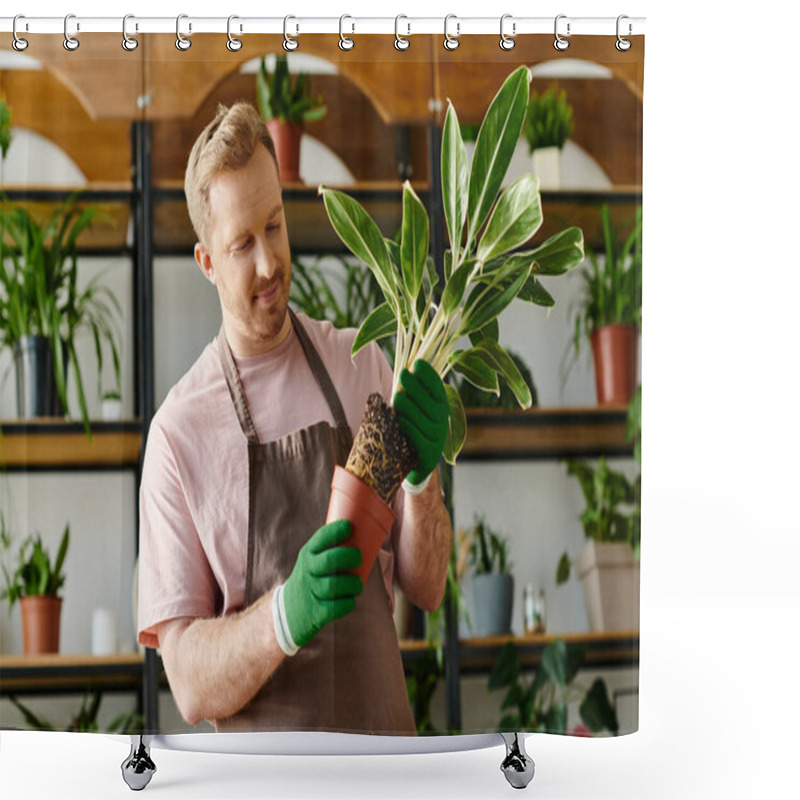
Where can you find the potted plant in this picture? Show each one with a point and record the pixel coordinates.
(492, 582)
(609, 565)
(42, 310)
(35, 583)
(111, 406)
(540, 704)
(286, 105)
(547, 128)
(484, 269)
(610, 312)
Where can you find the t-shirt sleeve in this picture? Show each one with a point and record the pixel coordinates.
(175, 578)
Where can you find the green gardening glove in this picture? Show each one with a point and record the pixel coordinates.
(422, 410)
(320, 590)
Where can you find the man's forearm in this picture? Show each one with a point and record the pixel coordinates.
(423, 549)
(215, 666)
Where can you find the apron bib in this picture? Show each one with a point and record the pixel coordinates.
(349, 678)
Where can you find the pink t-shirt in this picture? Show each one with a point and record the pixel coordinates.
(194, 491)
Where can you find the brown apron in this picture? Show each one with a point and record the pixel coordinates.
(350, 676)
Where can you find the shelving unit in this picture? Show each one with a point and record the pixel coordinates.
(150, 220)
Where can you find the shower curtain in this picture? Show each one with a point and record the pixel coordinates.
(533, 622)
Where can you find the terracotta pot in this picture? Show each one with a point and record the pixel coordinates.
(370, 517)
(41, 624)
(286, 136)
(615, 348)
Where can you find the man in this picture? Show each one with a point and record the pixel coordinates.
(251, 597)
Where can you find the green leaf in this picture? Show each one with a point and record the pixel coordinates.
(500, 361)
(455, 287)
(560, 253)
(489, 331)
(533, 292)
(596, 710)
(506, 668)
(457, 425)
(563, 569)
(556, 718)
(554, 662)
(495, 146)
(414, 242)
(380, 323)
(486, 303)
(514, 698)
(455, 179)
(474, 367)
(514, 220)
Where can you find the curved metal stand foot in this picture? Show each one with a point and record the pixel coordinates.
(517, 766)
(138, 768)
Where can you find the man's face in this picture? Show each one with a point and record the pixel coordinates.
(247, 255)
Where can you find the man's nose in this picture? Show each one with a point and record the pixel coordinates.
(265, 260)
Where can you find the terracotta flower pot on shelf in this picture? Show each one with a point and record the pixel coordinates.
(614, 348)
(370, 517)
(287, 136)
(41, 624)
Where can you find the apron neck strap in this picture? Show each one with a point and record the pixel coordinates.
(318, 369)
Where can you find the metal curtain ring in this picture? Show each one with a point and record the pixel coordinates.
(233, 44)
(182, 43)
(506, 42)
(400, 42)
(451, 42)
(128, 42)
(561, 43)
(289, 44)
(345, 42)
(70, 42)
(623, 44)
(19, 44)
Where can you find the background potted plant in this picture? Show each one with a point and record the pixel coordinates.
(540, 704)
(492, 581)
(609, 565)
(610, 312)
(484, 270)
(42, 310)
(548, 125)
(286, 105)
(35, 583)
(111, 405)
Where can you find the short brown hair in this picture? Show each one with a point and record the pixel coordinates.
(226, 143)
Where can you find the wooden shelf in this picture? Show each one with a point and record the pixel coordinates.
(52, 673)
(45, 444)
(545, 433)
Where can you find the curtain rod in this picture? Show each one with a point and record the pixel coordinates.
(453, 25)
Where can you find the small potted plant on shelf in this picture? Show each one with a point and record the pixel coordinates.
(286, 105)
(548, 125)
(492, 581)
(540, 705)
(42, 310)
(610, 312)
(484, 270)
(111, 405)
(36, 583)
(609, 565)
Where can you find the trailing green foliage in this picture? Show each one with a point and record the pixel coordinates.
(540, 704)
(5, 128)
(488, 551)
(549, 120)
(35, 575)
(39, 295)
(285, 98)
(481, 275)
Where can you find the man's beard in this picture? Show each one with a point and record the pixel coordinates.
(261, 324)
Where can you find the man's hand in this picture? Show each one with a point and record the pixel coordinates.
(422, 410)
(320, 590)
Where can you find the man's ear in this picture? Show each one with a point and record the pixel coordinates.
(203, 259)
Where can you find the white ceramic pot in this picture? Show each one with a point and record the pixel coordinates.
(610, 577)
(112, 410)
(547, 167)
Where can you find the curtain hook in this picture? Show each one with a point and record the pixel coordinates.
(233, 44)
(400, 42)
(70, 42)
(345, 42)
(289, 44)
(561, 43)
(19, 44)
(182, 43)
(506, 42)
(128, 42)
(623, 44)
(451, 42)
